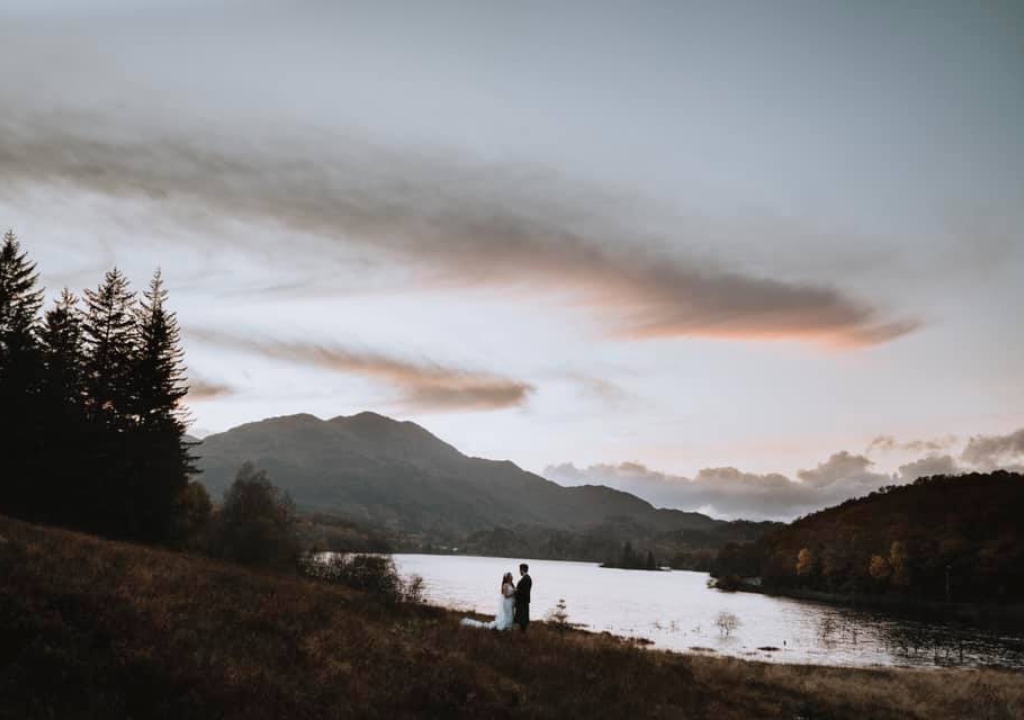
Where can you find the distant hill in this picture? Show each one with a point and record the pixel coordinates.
(905, 541)
(397, 475)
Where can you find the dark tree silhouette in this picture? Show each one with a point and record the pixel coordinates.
(20, 301)
(91, 422)
(631, 559)
(162, 460)
(111, 348)
(256, 524)
(111, 339)
(63, 395)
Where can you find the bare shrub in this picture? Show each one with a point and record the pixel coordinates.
(413, 590)
(726, 622)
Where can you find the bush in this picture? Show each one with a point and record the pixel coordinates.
(726, 622)
(373, 574)
(256, 525)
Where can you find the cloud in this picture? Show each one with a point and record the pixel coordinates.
(200, 389)
(887, 443)
(448, 220)
(931, 465)
(731, 493)
(421, 386)
(991, 451)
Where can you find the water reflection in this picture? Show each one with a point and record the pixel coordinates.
(677, 611)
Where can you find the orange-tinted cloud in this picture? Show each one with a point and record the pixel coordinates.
(446, 221)
(200, 389)
(422, 386)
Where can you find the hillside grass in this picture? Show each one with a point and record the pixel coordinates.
(96, 629)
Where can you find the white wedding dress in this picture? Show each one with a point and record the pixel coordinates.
(503, 620)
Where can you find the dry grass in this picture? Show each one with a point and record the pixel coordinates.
(95, 629)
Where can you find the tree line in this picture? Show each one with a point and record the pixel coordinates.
(93, 431)
(92, 424)
(940, 539)
(631, 559)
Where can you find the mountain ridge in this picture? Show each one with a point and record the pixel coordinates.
(372, 468)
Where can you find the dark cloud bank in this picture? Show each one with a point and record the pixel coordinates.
(728, 492)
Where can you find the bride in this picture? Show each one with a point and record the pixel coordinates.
(503, 620)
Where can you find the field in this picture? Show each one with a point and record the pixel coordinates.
(96, 629)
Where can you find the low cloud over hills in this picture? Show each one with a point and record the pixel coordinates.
(730, 492)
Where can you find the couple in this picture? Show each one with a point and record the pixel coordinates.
(514, 607)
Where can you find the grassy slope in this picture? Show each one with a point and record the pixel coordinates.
(90, 628)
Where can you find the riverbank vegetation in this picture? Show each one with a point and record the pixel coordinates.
(97, 628)
(942, 539)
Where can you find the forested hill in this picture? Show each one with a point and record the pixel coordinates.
(962, 534)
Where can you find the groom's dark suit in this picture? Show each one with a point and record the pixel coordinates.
(521, 613)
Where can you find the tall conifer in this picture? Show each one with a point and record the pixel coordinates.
(62, 405)
(163, 462)
(111, 341)
(20, 300)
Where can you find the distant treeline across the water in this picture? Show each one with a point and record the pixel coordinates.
(941, 539)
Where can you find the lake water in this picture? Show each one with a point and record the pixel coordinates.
(677, 611)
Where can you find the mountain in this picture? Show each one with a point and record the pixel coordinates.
(397, 475)
(957, 538)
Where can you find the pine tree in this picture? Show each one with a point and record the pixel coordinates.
(160, 372)
(111, 341)
(61, 339)
(20, 301)
(61, 403)
(163, 460)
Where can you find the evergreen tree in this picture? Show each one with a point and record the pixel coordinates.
(162, 458)
(61, 340)
(160, 372)
(628, 556)
(111, 341)
(62, 405)
(20, 301)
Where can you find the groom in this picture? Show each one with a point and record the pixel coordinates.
(521, 612)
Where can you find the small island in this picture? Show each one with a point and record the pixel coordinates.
(631, 559)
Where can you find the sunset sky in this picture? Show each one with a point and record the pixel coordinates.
(745, 256)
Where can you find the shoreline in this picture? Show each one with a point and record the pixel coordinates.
(769, 657)
(1006, 618)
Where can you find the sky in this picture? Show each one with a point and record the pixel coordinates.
(743, 256)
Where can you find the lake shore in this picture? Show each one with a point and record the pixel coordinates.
(990, 616)
(93, 628)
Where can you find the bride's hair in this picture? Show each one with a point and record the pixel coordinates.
(506, 578)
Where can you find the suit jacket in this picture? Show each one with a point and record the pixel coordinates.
(523, 590)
